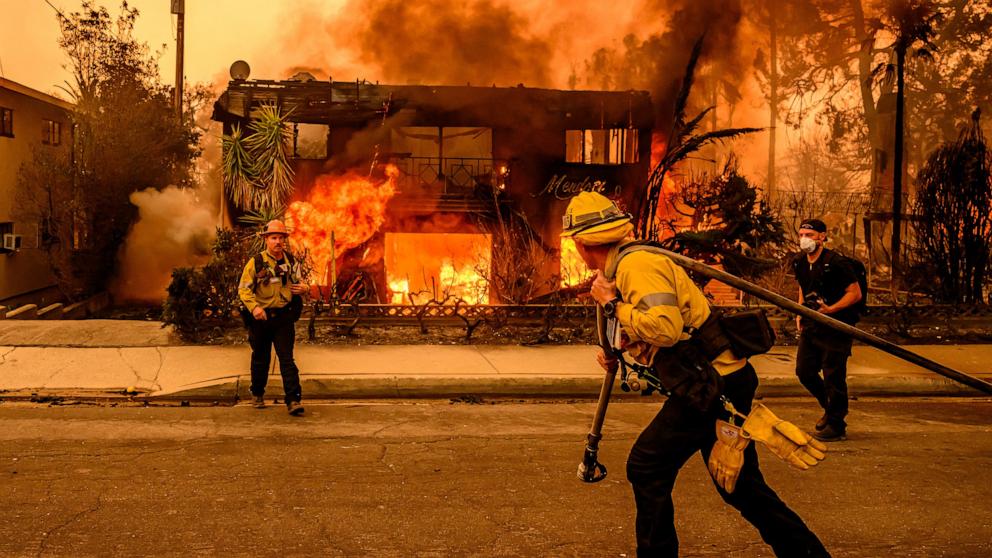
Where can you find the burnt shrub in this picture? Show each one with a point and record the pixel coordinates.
(954, 210)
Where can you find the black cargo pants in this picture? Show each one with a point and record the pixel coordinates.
(825, 351)
(675, 434)
(279, 330)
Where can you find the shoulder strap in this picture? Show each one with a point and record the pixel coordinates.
(630, 248)
(259, 263)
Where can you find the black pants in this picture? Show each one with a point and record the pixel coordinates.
(278, 330)
(675, 434)
(826, 351)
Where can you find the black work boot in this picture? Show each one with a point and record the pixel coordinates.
(822, 423)
(831, 433)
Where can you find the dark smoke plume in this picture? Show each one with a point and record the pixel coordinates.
(657, 63)
(446, 42)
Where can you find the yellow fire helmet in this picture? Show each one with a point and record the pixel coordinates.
(591, 218)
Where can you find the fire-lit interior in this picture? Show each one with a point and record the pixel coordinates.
(425, 266)
(573, 270)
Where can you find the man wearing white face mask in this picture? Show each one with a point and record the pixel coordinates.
(828, 285)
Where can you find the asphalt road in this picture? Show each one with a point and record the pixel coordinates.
(457, 479)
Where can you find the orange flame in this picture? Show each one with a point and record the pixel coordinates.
(452, 266)
(352, 205)
(573, 269)
(658, 146)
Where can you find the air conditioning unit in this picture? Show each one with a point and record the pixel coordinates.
(11, 242)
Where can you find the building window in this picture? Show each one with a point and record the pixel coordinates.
(80, 231)
(6, 228)
(51, 132)
(615, 146)
(6, 122)
(310, 141)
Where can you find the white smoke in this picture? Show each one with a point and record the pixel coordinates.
(175, 228)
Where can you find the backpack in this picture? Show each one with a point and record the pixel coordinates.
(858, 268)
(260, 263)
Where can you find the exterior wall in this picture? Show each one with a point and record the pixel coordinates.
(26, 270)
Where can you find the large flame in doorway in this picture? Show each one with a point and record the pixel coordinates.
(352, 206)
(440, 266)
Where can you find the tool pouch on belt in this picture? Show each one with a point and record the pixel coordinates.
(748, 332)
(686, 371)
(295, 308)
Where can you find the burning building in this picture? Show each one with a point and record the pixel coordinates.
(406, 191)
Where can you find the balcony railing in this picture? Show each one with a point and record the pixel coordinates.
(452, 175)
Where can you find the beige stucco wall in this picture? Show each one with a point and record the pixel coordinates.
(26, 270)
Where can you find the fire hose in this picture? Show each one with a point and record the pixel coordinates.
(590, 470)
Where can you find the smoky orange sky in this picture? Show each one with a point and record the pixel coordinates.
(338, 37)
(217, 33)
(539, 43)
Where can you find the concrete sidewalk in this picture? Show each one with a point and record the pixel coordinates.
(91, 359)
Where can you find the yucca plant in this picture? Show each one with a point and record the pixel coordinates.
(257, 174)
(268, 145)
(239, 178)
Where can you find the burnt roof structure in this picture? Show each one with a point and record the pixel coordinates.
(356, 104)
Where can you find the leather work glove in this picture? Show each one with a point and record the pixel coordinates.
(727, 456)
(785, 439)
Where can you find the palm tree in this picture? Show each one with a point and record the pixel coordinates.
(682, 142)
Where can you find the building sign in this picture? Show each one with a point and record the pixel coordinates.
(562, 186)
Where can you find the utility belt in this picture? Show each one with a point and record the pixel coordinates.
(685, 370)
(292, 311)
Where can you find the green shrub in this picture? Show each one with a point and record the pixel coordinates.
(202, 298)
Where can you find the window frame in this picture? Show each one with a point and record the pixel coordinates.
(9, 113)
(616, 145)
(52, 132)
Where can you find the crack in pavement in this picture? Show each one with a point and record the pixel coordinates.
(161, 363)
(3, 357)
(76, 517)
(153, 383)
(393, 425)
(137, 375)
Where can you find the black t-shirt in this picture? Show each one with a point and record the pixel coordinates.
(828, 277)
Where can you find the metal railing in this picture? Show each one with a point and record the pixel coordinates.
(452, 175)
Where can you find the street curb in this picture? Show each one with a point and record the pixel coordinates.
(331, 386)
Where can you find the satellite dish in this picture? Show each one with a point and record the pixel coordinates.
(240, 70)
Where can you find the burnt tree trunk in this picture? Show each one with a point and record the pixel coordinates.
(898, 163)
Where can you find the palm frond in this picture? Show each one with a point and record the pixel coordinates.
(682, 100)
(682, 141)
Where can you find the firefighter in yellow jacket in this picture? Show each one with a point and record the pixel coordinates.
(271, 291)
(651, 305)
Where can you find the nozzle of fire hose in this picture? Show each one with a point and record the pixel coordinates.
(591, 470)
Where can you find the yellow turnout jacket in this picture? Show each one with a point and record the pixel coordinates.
(659, 301)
